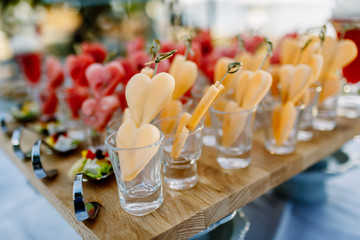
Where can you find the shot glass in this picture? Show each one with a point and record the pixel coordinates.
(349, 100)
(280, 131)
(305, 130)
(233, 132)
(325, 114)
(113, 125)
(138, 175)
(181, 152)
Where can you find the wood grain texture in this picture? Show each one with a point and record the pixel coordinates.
(184, 213)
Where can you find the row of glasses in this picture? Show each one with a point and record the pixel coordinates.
(233, 133)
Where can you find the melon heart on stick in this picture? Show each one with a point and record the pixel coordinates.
(192, 122)
(145, 97)
(185, 73)
(294, 80)
(337, 55)
(250, 87)
(252, 61)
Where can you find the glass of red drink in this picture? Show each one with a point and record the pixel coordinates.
(349, 100)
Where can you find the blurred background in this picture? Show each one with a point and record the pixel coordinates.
(56, 25)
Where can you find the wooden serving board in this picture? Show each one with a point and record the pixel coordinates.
(183, 213)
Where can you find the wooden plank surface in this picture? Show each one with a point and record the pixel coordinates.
(184, 213)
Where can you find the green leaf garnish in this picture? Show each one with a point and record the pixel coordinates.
(187, 42)
(155, 48)
(159, 58)
(303, 48)
(322, 34)
(268, 53)
(230, 69)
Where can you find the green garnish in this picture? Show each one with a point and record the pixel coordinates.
(268, 53)
(231, 68)
(159, 58)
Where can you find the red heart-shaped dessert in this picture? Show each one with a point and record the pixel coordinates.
(103, 79)
(77, 65)
(96, 50)
(49, 101)
(54, 71)
(138, 60)
(74, 97)
(98, 112)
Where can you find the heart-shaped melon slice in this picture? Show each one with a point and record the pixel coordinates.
(246, 59)
(258, 59)
(256, 90)
(148, 71)
(185, 76)
(283, 120)
(330, 87)
(233, 124)
(312, 48)
(345, 53)
(285, 75)
(327, 50)
(136, 150)
(301, 81)
(241, 85)
(176, 63)
(126, 115)
(146, 97)
(220, 71)
(172, 109)
(316, 62)
(290, 51)
(104, 79)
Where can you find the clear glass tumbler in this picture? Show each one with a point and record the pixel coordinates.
(233, 132)
(305, 131)
(138, 175)
(179, 167)
(113, 125)
(325, 115)
(279, 126)
(349, 100)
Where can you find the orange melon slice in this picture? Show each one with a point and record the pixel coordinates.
(148, 71)
(172, 109)
(220, 71)
(133, 161)
(185, 76)
(257, 88)
(284, 117)
(147, 96)
(204, 104)
(180, 140)
(330, 87)
(233, 124)
(300, 82)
